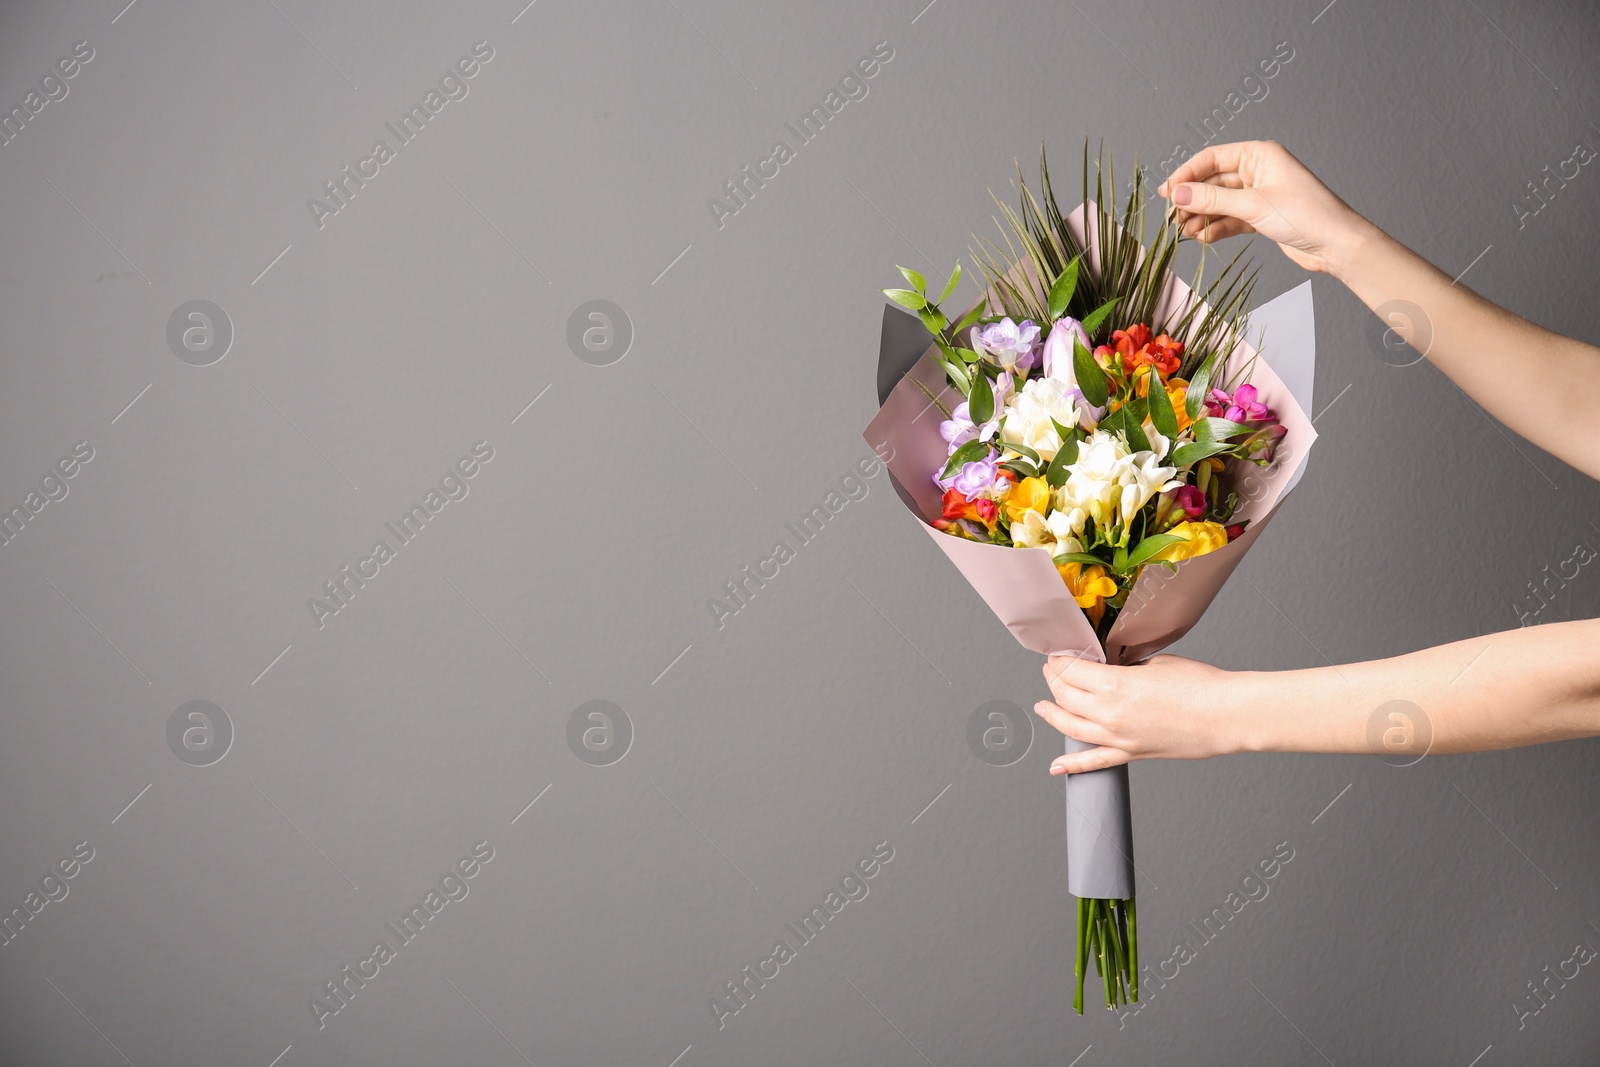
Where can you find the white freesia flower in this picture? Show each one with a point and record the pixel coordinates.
(1143, 478)
(1029, 414)
(1054, 533)
(1109, 484)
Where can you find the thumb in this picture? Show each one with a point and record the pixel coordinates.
(1203, 198)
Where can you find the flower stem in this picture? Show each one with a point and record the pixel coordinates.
(1108, 932)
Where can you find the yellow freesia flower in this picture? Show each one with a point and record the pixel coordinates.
(1198, 539)
(1178, 393)
(1030, 494)
(1088, 587)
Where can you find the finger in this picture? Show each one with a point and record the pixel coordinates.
(1090, 759)
(1073, 672)
(1215, 159)
(1074, 726)
(1213, 228)
(1230, 178)
(1203, 198)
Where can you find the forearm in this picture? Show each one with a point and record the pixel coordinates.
(1505, 690)
(1489, 352)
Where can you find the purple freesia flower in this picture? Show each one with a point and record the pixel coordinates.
(959, 428)
(973, 478)
(1058, 348)
(1011, 344)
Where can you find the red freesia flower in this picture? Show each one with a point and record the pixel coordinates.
(1137, 348)
(957, 506)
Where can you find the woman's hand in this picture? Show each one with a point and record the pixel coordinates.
(1258, 187)
(1166, 708)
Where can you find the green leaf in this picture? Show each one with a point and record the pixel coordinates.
(1199, 385)
(1149, 547)
(1061, 292)
(1082, 558)
(1092, 321)
(933, 319)
(970, 452)
(1091, 379)
(980, 402)
(971, 317)
(1056, 473)
(1119, 560)
(1026, 451)
(968, 355)
(1194, 451)
(1022, 467)
(915, 280)
(950, 286)
(1215, 429)
(906, 298)
(1134, 432)
(1162, 417)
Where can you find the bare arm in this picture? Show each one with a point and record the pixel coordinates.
(1506, 690)
(1520, 687)
(1488, 351)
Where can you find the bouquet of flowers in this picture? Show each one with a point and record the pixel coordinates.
(1100, 410)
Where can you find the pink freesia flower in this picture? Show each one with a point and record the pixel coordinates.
(1243, 406)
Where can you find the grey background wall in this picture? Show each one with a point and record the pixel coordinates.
(444, 707)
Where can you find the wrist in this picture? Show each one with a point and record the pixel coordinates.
(1352, 248)
(1250, 718)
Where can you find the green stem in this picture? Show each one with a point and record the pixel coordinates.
(1133, 949)
(1082, 953)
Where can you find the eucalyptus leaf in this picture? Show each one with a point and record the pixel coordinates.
(971, 452)
(1081, 558)
(1091, 379)
(1091, 322)
(1061, 292)
(980, 402)
(1186, 454)
(971, 316)
(1026, 451)
(1214, 429)
(906, 298)
(950, 286)
(1056, 473)
(1134, 432)
(1149, 547)
(1162, 417)
(1199, 386)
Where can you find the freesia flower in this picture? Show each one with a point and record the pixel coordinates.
(1137, 349)
(1058, 349)
(1094, 478)
(972, 479)
(959, 428)
(1028, 495)
(1191, 500)
(1031, 415)
(1010, 344)
(957, 506)
(1143, 478)
(1089, 586)
(1198, 539)
(1052, 532)
(1243, 406)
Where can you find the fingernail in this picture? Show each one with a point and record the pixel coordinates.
(1182, 195)
(1162, 189)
